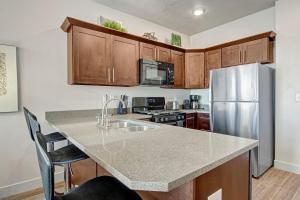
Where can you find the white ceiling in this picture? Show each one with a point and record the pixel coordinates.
(177, 14)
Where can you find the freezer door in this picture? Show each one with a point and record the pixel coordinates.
(238, 83)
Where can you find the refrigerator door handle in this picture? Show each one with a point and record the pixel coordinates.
(210, 93)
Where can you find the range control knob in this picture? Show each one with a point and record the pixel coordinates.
(161, 119)
(166, 119)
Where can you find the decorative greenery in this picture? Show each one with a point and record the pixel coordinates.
(114, 25)
(176, 39)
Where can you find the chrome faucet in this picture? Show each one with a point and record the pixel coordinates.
(105, 119)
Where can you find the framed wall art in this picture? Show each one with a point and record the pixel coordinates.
(8, 79)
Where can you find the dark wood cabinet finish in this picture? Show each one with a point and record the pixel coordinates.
(177, 58)
(125, 54)
(190, 120)
(194, 70)
(103, 56)
(231, 56)
(163, 54)
(213, 60)
(203, 122)
(83, 171)
(147, 51)
(232, 177)
(257, 51)
(89, 57)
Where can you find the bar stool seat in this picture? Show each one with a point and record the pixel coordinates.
(54, 137)
(67, 154)
(104, 187)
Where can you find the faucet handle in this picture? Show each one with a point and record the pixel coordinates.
(107, 119)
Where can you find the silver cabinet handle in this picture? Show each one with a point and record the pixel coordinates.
(113, 74)
(108, 74)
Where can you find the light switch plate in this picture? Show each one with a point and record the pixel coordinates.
(297, 97)
(216, 196)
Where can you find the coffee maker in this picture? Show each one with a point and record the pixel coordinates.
(195, 101)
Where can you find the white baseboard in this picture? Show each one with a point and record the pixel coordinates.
(25, 186)
(290, 167)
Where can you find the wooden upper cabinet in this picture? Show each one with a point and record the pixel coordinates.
(125, 55)
(257, 51)
(213, 60)
(194, 70)
(89, 56)
(163, 54)
(147, 51)
(177, 58)
(231, 56)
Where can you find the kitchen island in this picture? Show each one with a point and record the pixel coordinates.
(164, 162)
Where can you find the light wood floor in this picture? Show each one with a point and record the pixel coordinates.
(274, 185)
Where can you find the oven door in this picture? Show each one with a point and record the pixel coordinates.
(153, 73)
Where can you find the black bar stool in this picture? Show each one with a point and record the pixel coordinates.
(100, 188)
(61, 157)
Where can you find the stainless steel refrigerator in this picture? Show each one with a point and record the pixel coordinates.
(241, 102)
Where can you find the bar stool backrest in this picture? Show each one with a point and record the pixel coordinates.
(45, 164)
(36, 126)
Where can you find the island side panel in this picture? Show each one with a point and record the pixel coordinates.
(233, 178)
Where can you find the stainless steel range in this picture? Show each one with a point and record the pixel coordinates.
(155, 106)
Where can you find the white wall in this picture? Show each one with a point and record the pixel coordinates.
(287, 85)
(256, 23)
(33, 26)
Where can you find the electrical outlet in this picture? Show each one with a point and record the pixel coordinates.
(297, 97)
(216, 196)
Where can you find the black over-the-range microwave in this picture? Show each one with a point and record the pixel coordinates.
(156, 73)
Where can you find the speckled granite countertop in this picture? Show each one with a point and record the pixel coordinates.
(194, 111)
(159, 159)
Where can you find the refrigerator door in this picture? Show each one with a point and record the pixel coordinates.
(235, 118)
(238, 119)
(238, 83)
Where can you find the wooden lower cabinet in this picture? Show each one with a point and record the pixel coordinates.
(203, 122)
(232, 177)
(190, 120)
(199, 121)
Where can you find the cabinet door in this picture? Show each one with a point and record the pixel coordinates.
(125, 55)
(194, 70)
(147, 51)
(91, 56)
(231, 56)
(203, 122)
(213, 60)
(190, 121)
(177, 58)
(257, 51)
(163, 54)
(83, 170)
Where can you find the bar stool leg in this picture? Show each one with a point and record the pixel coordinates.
(50, 146)
(67, 177)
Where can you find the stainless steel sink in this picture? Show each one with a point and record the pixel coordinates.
(120, 124)
(131, 126)
(137, 128)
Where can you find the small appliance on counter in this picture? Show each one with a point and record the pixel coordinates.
(156, 73)
(155, 106)
(186, 104)
(195, 101)
(120, 109)
(172, 105)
